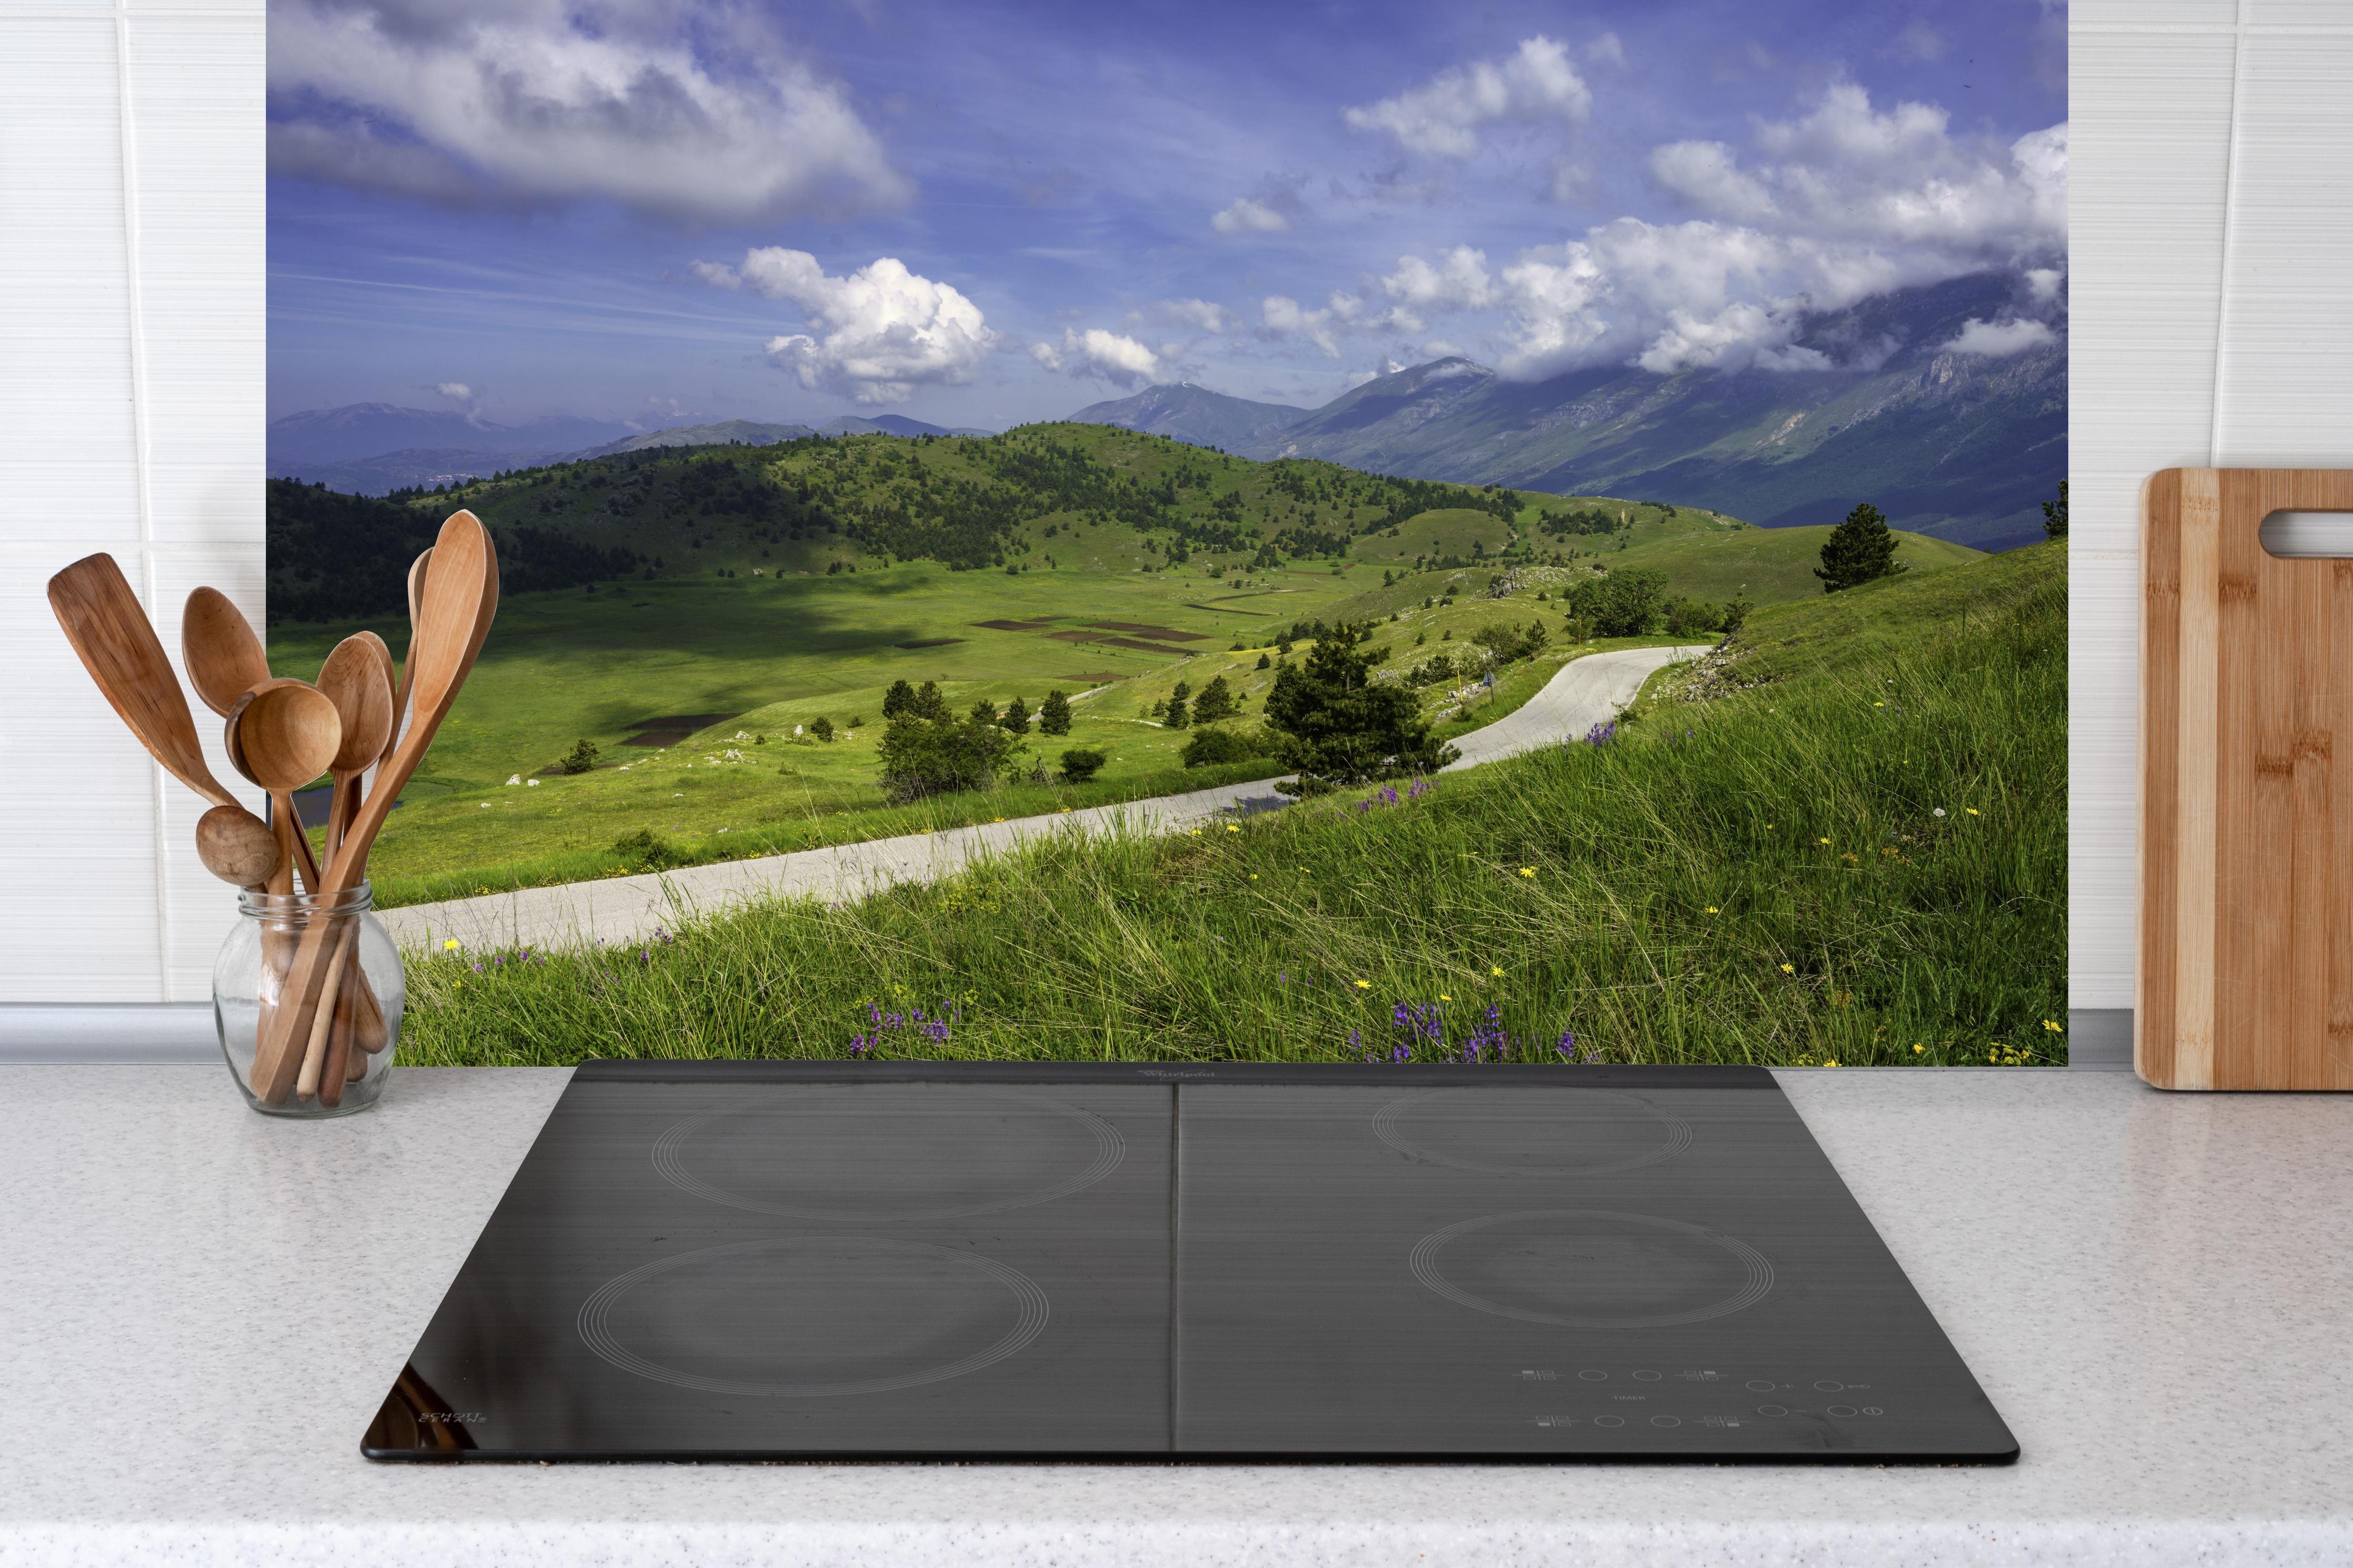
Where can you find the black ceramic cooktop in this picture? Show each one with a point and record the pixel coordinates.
(806, 1260)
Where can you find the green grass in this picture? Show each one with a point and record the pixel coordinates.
(1765, 565)
(1755, 871)
(781, 641)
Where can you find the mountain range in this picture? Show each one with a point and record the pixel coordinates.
(370, 448)
(1964, 446)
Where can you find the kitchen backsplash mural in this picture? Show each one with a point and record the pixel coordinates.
(1369, 532)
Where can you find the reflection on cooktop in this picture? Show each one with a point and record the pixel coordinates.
(1587, 1269)
(894, 1153)
(1569, 1132)
(969, 1261)
(813, 1318)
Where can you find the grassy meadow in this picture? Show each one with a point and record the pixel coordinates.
(760, 618)
(1839, 840)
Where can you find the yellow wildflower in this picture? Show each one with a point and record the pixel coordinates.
(1712, 909)
(1364, 985)
(1442, 996)
(1233, 828)
(1788, 969)
(1970, 809)
(449, 945)
(1495, 971)
(1917, 1049)
(1527, 870)
(1821, 841)
(2052, 1028)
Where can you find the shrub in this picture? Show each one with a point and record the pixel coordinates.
(1263, 661)
(1081, 764)
(1210, 747)
(579, 759)
(646, 850)
(821, 727)
(927, 756)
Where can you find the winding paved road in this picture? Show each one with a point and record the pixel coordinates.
(1586, 692)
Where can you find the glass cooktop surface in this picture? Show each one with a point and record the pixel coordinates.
(818, 1259)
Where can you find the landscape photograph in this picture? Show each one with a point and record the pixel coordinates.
(1359, 533)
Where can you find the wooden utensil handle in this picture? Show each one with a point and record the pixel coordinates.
(323, 1017)
(342, 1051)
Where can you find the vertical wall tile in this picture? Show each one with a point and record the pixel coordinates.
(64, 314)
(78, 805)
(2285, 380)
(2149, 182)
(196, 132)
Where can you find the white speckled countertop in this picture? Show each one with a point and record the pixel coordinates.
(201, 1307)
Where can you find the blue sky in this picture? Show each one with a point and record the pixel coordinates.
(659, 212)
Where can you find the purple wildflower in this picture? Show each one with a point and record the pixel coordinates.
(1421, 788)
(1566, 1044)
(1601, 735)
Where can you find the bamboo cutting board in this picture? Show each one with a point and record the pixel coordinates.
(2246, 822)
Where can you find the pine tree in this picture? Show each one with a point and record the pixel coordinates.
(1216, 703)
(1177, 718)
(1860, 550)
(898, 700)
(1017, 717)
(1054, 715)
(929, 704)
(2054, 515)
(984, 711)
(1334, 725)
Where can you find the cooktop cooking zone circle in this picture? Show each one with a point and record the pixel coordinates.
(1591, 1269)
(1565, 1133)
(784, 1319)
(884, 1153)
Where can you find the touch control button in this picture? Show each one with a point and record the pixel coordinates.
(1609, 1421)
(1771, 1410)
(1589, 1375)
(1829, 1387)
(1646, 1377)
(1844, 1410)
(1761, 1385)
(1664, 1421)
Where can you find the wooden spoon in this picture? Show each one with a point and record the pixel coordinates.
(285, 734)
(400, 693)
(237, 847)
(459, 599)
(104, 621)
(224, 657)
(355, 682)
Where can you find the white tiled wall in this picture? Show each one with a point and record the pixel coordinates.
(2212, 230)
(131, 421)
(2211, 236)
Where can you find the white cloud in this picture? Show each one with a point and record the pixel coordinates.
(1284, 317)
(1458, 281)
(1439, 348)
(1442, 118)
(1247, 215)
(1707, 175)
(701, 116)
(2043, 283)
(876, 334)
(457, 390)
(1739, 337)
(1606, 50)
(1109, 356)
(1998, 340)
(1847, 170)
(1198, 313)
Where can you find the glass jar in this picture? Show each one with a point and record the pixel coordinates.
(307, 994)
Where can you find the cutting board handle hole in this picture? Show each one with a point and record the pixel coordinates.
(2302, 535)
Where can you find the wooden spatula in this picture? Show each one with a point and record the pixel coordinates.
(109, 629)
